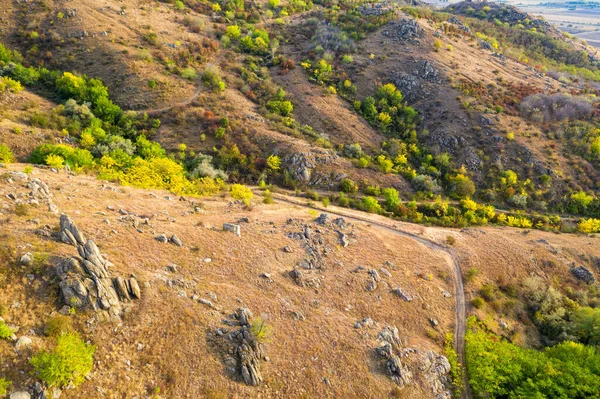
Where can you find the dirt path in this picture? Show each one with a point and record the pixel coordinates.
(448, 254)
(183, 103)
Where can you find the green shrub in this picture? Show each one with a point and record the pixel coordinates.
(4, 386)
(5, 331)
(349, 186)
(6, 155)
(268, 197)
(211, 77)
(283, 108)
(498, 368)
(189, 74)
(8, 84)
(68, 363)
(325, 201)
(478, 302)
(471, 274)
(21, 209)
(233, 31)
(456, 369)
(261, 330)
(370, 204)
(151, 38)
(54, 161)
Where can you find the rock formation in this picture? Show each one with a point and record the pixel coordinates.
(85, 280)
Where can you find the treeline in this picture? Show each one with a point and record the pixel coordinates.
(497, 368)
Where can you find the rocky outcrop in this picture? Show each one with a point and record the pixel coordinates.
(388, 347)
(39, 191)
(244, 352)
(69, 233)
(405, 30)
(85, 280)
(404, 365)
(302, 164)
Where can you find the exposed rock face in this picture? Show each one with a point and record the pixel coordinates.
(461, 26)
(302, 164)
(583, 274)
(85, 280)
(305, 279)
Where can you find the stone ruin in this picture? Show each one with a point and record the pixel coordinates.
(85, 280)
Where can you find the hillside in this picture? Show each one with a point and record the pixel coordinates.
(416, 190)
(164, 338)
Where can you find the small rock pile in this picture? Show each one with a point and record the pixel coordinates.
(376, 9)
(85, 280)
(406, 30)
(243, 351)
(39, 194)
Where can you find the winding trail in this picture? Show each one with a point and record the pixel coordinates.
(183, 103)
(448, 254)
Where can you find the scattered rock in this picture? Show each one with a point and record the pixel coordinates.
(234, 228)
(371, 285)
(20, 395)
(205, 302)
(322, 219)
(288, 249)
(23, 342)
(26, 259)
(583, 274)
(385, 272)
(176, 240)
(403, 295)
(162, 238)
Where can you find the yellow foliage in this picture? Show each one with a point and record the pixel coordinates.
(589, 226)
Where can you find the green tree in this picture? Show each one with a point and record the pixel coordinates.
(392, 198)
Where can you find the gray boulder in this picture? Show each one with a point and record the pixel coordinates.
(583, 274)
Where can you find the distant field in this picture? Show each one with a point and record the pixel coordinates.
(583, 23)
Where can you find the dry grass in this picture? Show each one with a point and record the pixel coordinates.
(176, 331)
